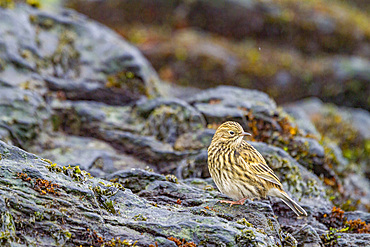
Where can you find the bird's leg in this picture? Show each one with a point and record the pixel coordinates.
(240, 202)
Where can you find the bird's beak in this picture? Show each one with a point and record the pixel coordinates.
(245, 134)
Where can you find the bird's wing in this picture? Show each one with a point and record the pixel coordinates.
(255, 163)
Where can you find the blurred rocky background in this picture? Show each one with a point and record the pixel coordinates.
(115, 124)
(287, 49)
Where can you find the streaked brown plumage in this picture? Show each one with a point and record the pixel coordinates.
(240, 171)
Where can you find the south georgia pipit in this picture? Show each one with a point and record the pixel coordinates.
(239, 170)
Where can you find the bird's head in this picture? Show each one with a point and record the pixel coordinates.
(229, 132)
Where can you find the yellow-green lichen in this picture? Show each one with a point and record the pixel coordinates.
(140, 217)
(172, 178)
(246, 237)
(7, 4)
(243, 221)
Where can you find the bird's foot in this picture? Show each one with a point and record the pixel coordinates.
(240, 202)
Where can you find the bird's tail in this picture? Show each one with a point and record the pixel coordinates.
(292, 204)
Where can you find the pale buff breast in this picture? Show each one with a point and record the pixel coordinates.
(226, 182)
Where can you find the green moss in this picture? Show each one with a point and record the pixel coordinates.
(67, 234)
(53, 167)
(39, 216)
(7, 227)
(209, 188)
(76, 173)
(287, 172)
(115, 185)
(66, 58)
(243, 221)
(2, 65)
(34, 3)
(72, 171)
(172, 178)
(330, 238)
(312, 188)
(288, 240)
(335, 128)
(140, 217)
(103, 192)
(127, 80)
(117, 242)
(109, 206)
(7, 4)
(246, 237)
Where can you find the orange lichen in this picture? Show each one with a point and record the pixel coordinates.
(337, 220)
(337, 213)
(95, 236)
(212, 209)
(214, 101)
(358, 226)
(179, 201)
(41, 185)
(154, 245)
(24, 177)
(287, 127)
(182, 243)
(95, 239)
(329, 181)
(44, 186)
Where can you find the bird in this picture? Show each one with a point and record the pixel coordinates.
(240, 171)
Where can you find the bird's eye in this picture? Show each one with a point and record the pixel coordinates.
(231, 132)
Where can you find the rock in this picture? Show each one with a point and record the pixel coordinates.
(354, 68)
(307, 236)
(146, 148)
(169, 192)
(24, 114)
(91, 211)
(114, 124)
(354, 215)
(353, 240)
(167, 119)
(251, 44)
(232, 103)
(314, 109)
(75, 93)
(74, 55)
(194, 140)
(96, 157)
(360, 119)
(146, 130)
(236, 97)
(90, 118)
(357, 190)
(345, 144)
(219, 113)
(254, 19)
(302, 119)
(194, 166)
(258, 114)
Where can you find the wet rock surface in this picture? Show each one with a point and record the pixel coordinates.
(129, 166)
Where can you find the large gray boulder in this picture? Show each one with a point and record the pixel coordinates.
(66, 206)
(70, 54)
